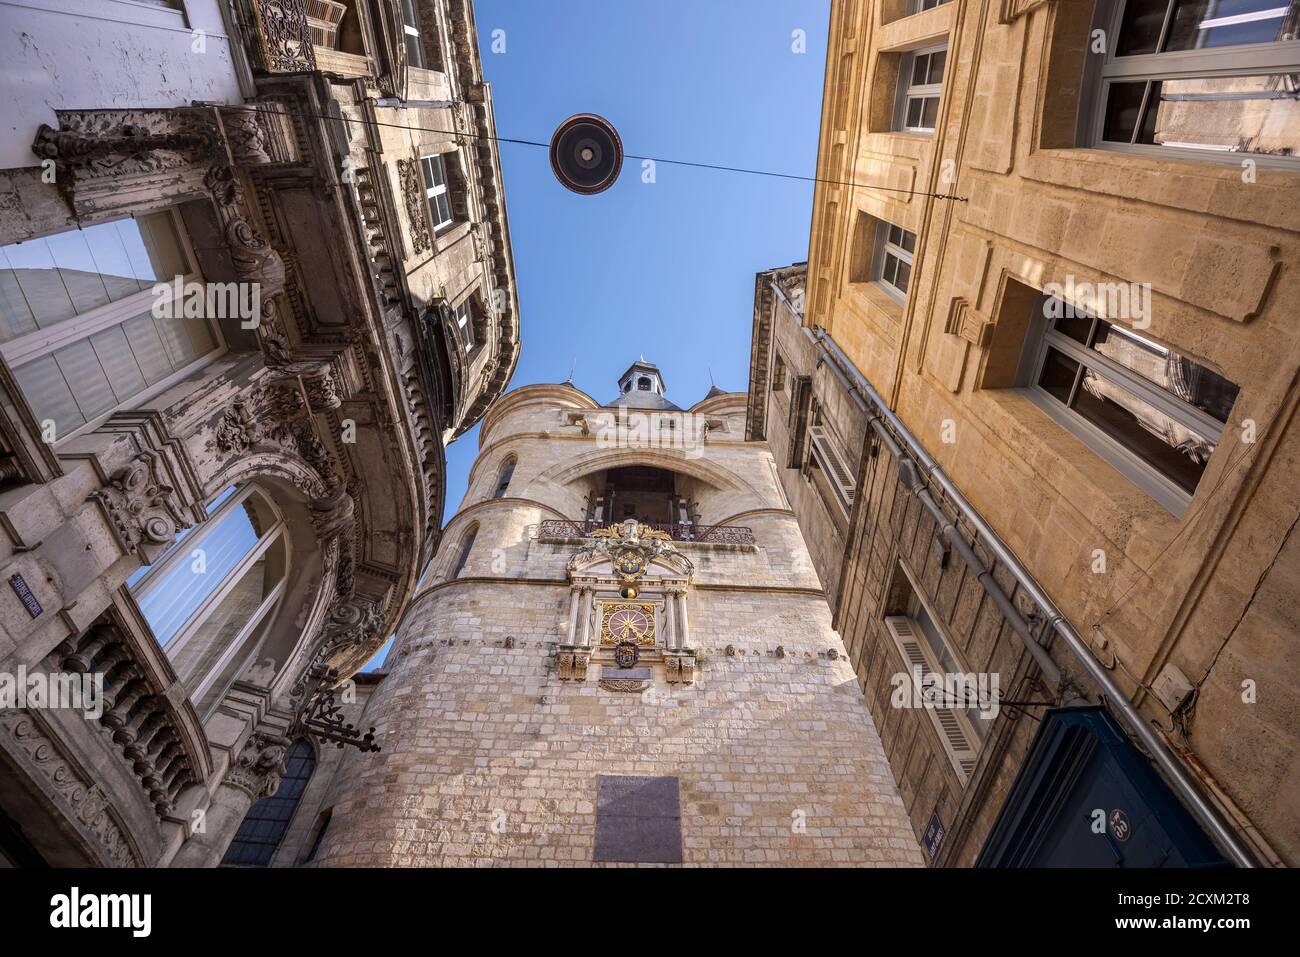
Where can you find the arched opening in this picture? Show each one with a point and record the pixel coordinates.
(263, 827)
(211, 596)
(651, 495)
(467, 545)
(504, 476)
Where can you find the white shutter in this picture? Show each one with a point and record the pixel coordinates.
(842, 477)
(952, 734)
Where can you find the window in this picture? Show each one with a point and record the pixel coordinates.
(920, 6)
(210, 597)
(411, 30)
(837, 476)
(467, 545)
(465, 324)
(1153, 414)
(77, 321)
(892, 268)
(504, 477)
(958, 714)
(1200, 78)
(920, 84)
(434, 171)
(263, 827)
(643, 384)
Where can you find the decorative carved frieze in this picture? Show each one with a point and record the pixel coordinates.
(413, 196)
(143, 510)
(80, 799)
(118, 143)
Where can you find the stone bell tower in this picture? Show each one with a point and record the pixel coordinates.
(622, 655)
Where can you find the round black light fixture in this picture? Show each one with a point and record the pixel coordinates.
(586, 154)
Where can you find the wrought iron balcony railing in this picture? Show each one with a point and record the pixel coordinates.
(704, 534)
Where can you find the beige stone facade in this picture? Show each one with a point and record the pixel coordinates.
(495, 741)
(1185, 597)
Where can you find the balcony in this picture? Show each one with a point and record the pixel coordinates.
(562, 530)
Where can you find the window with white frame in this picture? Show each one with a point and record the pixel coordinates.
(411, 33)
(1152, 413)
(920, 6)
(465, 323)
(1203, 78)
(920, 85)
(895, 247)
(209, 599)
(78, 323)
(434, 171)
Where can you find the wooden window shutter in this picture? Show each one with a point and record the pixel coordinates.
(841, 475)
(952, 734)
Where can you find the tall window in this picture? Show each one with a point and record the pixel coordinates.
(893, 259)
(263, 827)
(503, 478)
(1200, 78)
(920, 84)
(77, 321)
(411, 31)
(1153, 414)
(958, 714)
(434, 171)
(466, 546)
(465, 324)
(210, 597)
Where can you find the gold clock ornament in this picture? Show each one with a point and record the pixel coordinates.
(628, 621)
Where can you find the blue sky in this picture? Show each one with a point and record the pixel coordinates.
(665, 269)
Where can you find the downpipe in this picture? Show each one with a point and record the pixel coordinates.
(916, 470)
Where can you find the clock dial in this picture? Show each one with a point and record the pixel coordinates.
(629, 623)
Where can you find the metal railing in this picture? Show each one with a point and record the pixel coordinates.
(679, 532)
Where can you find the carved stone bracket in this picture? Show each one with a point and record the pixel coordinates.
(260, 765)
(413, 196)
(143, 511)
(254, 259)
(1014, 9)
(571, 662)
(679, 667)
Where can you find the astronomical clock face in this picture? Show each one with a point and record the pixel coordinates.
(628, 622)
(629, 563)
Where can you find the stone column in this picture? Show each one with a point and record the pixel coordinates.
(254, 775)
(584, 618)
(572, 637)
(683, 629)
(670, 619)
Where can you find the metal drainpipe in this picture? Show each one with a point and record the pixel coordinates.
(1175, 773)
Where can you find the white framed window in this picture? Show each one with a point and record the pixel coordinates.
(922, 642)
(77, 321)
(465, 323)
(920, 6)
(210, 597)
(892, 264)
(1213, 79)
(920, 85)
(411, 33)
(1155, 415)
(434, 171)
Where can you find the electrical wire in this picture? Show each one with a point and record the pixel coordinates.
(654, 159)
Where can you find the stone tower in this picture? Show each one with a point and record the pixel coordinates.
(622, 655)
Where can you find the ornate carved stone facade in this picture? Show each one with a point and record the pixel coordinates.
(316, 422)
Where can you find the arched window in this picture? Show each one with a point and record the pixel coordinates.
(263, 827)
(466, 545)
(643, 384)
(211, 596)
(504, 477)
